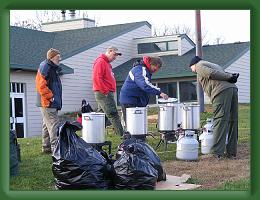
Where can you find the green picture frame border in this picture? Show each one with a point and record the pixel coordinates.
(7, 5)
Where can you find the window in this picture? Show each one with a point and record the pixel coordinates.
(172, 45)
(160, 46)
(169, 88)
(188, 91)
(154, 47)
(17, 87)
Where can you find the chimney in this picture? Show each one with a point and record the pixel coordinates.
(72, 14)
(68, 24)
(63, 14)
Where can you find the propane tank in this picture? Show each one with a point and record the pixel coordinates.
(187, 147)
(206, 137)
(207, 141)
(209, 124)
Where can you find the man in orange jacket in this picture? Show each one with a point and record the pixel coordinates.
(104, 87)
(49, 98)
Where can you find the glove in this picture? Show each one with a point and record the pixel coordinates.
(233, 78)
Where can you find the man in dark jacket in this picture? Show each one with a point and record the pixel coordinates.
(137, 86)
(49, 98)
(104, 87)
(220, 88)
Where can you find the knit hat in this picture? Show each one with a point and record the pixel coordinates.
(195, 60)
(52, 53)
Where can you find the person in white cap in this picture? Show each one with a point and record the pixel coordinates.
(104, 87)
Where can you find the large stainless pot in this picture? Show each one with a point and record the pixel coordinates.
(93, 127)
(136, 120)
(191, 116)
(167, 119)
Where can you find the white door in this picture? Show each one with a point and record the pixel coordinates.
(17, 113)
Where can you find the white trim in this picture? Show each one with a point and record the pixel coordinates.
(131, 76)
(23, 119)
(178, 91)
(147, 81)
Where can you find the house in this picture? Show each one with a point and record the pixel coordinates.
(80, 42)
(79, 47)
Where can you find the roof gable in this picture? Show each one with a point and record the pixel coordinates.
(28, 47)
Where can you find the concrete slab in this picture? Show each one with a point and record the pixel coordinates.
(176, 183)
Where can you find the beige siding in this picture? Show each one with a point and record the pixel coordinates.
(79, 85)
(242, 66)
(33, 115)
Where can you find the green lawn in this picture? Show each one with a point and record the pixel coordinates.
(35, 169)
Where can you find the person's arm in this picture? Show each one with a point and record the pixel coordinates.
(99, 71)
(143, 82)
(42, 87)
(213, 74)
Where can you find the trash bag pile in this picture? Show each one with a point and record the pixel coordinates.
(138, 166)
(77, 165)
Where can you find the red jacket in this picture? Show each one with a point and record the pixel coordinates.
(103, 76)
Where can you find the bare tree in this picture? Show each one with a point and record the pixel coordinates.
(177, 29)
(44, 16)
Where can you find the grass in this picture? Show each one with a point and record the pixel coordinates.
(35, 169)
(243, 184)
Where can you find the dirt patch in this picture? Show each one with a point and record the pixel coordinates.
(211, 173)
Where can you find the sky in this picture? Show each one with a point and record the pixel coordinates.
(227, 25)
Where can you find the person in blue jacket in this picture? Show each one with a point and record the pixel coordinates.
(137, 86)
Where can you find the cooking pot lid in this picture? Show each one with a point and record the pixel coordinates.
(169, 100)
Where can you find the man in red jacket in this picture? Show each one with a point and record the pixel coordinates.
(104, 87)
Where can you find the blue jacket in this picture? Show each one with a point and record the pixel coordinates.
(48, 85)
(137, 87)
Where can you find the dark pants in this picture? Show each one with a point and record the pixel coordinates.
(124, 107)
(225, 121)
(108, 105)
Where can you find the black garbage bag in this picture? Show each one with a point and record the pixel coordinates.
(14, 154)
(150, 152)
(76, 164)
(134, 169)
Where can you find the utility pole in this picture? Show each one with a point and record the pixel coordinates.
(200, 93)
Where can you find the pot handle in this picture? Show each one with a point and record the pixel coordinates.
(162, 108)
(87, 118)
(185, 108)
(137, 112)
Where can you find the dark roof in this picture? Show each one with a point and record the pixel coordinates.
(72, 42)
(178, 66)
(28, 47)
